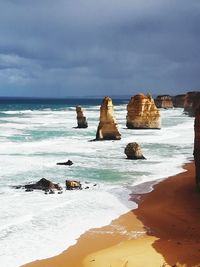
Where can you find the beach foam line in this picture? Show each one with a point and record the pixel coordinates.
(170, 217)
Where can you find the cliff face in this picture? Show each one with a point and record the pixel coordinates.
(81, 119)
(107, 129)
(197, 146)
(142, 113)
(192, 102)
(164, 101)
(179, 101)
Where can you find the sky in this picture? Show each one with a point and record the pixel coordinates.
(81, 48)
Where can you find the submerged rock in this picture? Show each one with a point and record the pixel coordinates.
(107, 129)
(133, 151)
(72, 184)
(164, 101)
(142, 113)
(192, 102)
(197, 146)
(81, 119)
(67, 163)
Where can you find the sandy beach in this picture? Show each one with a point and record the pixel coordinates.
(163, 231)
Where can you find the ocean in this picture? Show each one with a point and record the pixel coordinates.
(36, 134)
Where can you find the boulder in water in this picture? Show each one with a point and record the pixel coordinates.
(72, 184)
(67, 163)
(42, 184)
(133, 151)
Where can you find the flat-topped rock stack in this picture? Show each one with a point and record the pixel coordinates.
(142, 113)
(164, 101)
(179, 100)
(81, 119)
(192, 102)
(107, 129)
(197, 146)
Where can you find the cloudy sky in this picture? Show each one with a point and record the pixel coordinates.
(63, 48)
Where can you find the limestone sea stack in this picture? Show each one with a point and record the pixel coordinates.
(107, 129)
(133, 151)
(192, 102)
(142, 113)
(197, 146)
(164, 101)
(179, 100)
(81, 119)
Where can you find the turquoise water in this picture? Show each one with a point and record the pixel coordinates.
(35, 136)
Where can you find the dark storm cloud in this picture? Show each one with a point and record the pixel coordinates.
(87, 47)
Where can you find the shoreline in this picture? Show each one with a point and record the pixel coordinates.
(163, 229)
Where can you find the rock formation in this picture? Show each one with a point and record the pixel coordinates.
(107, 129)
(164, 101)
(81, 119)
(142, 113)
(67, 163)
(42, 184)
(72, 184)
(133, 151)
(197, 146)
(178, 101)
(192, 102)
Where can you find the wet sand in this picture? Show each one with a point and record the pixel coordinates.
(162, 231)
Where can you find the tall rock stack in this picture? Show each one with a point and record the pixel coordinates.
(179, 101)
(142, 113)
(81, 119)
(107, 129)
(164, 101)
(192, 102)
(197, 146)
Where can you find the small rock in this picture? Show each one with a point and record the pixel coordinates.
(72, 184)
(133, 151)
(28, 190)
(67, 163)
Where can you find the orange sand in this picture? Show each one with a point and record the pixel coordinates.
(164, 229)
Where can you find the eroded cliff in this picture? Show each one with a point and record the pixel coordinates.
(142, 113)
(107, 129)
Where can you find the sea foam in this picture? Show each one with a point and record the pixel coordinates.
(34, 225)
